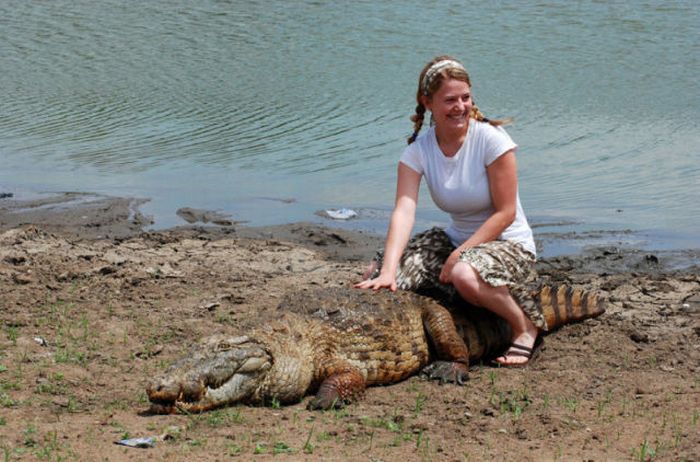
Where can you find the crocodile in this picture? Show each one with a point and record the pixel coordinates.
(337, 341)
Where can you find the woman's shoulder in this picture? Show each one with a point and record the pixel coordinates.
(424, 139)
(417, 154)
(486, 129)
(490, 134)
(423, 143)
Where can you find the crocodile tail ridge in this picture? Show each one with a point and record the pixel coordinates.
(564, 304)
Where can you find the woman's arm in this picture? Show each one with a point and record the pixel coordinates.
(400, 226)
(503, 185)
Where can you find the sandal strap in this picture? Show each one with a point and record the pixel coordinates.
(522, 348)
(509, 354)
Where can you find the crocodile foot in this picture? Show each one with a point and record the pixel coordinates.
(446, 372)
(324, 403)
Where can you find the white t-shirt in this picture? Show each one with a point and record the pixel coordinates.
(459, 185)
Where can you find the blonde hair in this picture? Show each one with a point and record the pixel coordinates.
(447, 68)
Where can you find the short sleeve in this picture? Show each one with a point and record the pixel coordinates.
(496, 143)
(412, 159)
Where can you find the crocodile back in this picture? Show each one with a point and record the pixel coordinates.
(380, 333)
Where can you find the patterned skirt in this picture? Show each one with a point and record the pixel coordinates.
(499, 263)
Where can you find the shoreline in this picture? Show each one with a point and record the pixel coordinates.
(94, 216)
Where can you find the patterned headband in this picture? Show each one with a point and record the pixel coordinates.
(435, 69)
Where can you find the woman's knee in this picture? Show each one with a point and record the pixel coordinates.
(467, 281)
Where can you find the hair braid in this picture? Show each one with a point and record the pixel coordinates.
(417, 120)
(477, 115)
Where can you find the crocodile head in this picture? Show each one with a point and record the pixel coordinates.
(221, 370)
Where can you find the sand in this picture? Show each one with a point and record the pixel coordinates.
(92, 306)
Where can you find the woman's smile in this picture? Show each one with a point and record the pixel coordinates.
(451, 105)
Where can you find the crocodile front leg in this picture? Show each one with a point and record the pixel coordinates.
(342, 383)
(452, 365)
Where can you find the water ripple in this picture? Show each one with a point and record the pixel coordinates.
(604, 94)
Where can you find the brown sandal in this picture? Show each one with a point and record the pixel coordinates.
(517, 349)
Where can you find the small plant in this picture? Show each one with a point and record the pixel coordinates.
(6, 401)
(391, 425)
(85, 325)
(570, 403)
(512, 402)
(69, 355)
(644, 452)
(308, 445)
(72, 406)
(259, 448)
(215, 418)
(420, 402)
(339, 413)
(234, 450)
(50, 447)
(492, 378)
(12, 334)
(402, 438)
(281, 447)
(9, 386)
(29, 434)
(601, 407)
(545, 401)
(424, 441)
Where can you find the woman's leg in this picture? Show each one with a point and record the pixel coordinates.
(498, 300)
(497, 275)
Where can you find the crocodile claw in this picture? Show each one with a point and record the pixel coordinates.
(446, 372)
(321, 403)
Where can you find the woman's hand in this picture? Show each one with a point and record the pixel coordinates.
(446, 273)
(371, 268)
(381, 281)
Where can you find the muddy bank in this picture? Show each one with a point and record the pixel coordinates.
(87, 318)
(79, 215)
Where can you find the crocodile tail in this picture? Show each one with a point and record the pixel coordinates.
(563, 304)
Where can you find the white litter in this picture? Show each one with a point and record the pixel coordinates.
(341, 214)
(148, 442)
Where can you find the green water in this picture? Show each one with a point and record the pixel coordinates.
(233, 106)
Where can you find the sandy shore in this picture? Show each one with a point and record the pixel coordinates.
(91, 306)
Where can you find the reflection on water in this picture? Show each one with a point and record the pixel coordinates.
(213, 103)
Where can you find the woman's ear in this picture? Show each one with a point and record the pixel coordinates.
(425, 101)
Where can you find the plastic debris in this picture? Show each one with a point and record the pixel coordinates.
(41, 341)
(211, 306)
(147, 442)
(341, 214)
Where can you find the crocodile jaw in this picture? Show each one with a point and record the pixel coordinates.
(220, 371)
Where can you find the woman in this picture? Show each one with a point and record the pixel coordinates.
(487, 254)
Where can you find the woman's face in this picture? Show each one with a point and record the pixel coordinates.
(451, 105)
